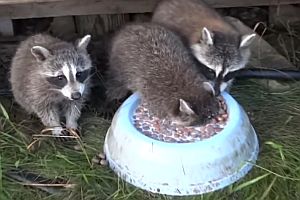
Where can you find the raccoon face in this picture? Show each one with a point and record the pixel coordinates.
(67, 69)
(222, 54)
(194, 113)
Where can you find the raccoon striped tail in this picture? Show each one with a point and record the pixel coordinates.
(27, 178)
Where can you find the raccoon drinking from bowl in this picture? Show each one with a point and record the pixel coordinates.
(151, 60)
(213, 41)
(50, 78)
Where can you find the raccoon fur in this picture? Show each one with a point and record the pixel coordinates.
(213, 41)
(50, 78)
(152, 60)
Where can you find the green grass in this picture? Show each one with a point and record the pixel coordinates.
(276, 175)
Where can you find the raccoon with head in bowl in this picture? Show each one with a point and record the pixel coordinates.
(152, 60)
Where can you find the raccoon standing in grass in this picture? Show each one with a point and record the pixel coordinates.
(213, 41)
(50, 78)
(151, 60)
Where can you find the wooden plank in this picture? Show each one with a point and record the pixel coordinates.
(91, 7)
(97, 25)
(63, 27)
(283, 16)
(9, 2)
(6, 27)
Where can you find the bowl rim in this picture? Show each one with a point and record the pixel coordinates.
(127, 109)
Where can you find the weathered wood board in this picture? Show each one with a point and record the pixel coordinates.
(6, 27)
(51, 8)
(10, 2)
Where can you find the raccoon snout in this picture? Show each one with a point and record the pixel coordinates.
(217, 91)
(217, 88)
(76, 95)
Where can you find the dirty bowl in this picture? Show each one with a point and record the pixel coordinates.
(181, 168)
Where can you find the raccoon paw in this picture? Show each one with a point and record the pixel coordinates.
(100, 159)
(64, 134)
(57, 131)
(70, 134)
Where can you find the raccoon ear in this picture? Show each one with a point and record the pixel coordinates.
(247, 40)
(40, 53)
(207, 36)
(185, 108)
(83, 42)
(209, 87)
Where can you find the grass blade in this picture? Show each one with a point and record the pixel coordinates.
(277, 147)
(5, 114)
(268, 189)
(248, 183)
(1, 185)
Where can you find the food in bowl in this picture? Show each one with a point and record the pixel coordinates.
(167, 131)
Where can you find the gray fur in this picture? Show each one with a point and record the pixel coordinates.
(152, 60)
(30, 68)
(213, 41)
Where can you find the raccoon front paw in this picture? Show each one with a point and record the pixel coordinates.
(72, 125)
(100, 159)
(63, 134)
(57, 131)
(70, 134)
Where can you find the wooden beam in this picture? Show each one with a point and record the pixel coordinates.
(54, 8)
(10, 2)
(6, 27)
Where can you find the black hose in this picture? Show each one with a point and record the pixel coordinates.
(257, 73)
(5, 92)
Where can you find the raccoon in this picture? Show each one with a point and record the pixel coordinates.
(152, 60)
(50, 78)
(213, 41)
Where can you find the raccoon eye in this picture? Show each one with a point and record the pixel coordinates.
(78, 74)
(82, 76)
(58, 81)
(61, 77)
(211, 71)
(210, 74)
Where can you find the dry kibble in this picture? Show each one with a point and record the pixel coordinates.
(103, 162)
(217, 129)
(100, 159)
(221, 112)
(95, 160)
(219, 118)
(213, 121)
(225, 116)
(102, 155)
(165, 130)
(148, 133)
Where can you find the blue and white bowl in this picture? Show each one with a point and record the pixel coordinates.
(181, 168)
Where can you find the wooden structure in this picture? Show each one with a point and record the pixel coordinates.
(16, 9)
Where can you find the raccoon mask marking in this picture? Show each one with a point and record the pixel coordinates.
(222, 54)
(69, 69)
(50, 78)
